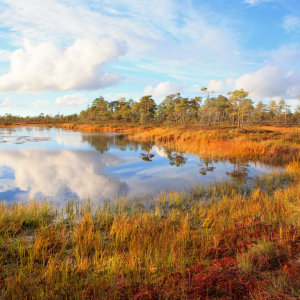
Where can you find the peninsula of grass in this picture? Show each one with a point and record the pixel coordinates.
(266, 144)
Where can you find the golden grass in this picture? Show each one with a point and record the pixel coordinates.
(227, 240)
(232, 145)
(220, 242)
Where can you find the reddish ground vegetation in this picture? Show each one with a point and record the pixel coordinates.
(219, 274)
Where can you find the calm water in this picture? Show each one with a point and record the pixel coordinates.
(58, 164)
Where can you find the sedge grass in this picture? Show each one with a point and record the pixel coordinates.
(214, 241)
(266, 146)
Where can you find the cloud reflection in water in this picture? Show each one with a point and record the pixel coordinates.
(55, 173)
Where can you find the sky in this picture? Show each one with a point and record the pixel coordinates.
(59, 55)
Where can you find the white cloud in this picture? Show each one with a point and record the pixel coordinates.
(48, 66)
(133, 95)
(120, 95)
(219, 85)
(71, 100)
(159, 32)
(291, 23)
(5, 55)
(194, 88)
(254, 2)
(38, 103)
(6, 103)
(164, 89)
(271, 81)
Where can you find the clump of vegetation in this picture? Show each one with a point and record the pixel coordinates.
(218, 241)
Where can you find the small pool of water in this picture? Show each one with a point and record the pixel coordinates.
(53, 163)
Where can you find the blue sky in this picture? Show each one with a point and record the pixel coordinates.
(59, 55)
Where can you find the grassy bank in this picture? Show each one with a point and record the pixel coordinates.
(269, 146)
(29, 125)
(126, 128)
(273, 145)
(228, 240)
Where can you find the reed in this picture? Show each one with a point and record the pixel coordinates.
(217, 241)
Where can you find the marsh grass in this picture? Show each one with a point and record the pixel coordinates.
(225, 239)
(255, 144)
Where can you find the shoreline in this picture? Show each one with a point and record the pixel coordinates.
(277, 146)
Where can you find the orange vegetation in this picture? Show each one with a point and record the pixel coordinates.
(98, 128)
(28, 124)
(254, 144)
(266, 144)
(236, 246)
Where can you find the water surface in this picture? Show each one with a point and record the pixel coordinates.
(53, 163)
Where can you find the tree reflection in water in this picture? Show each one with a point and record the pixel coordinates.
(240, 172)
(177, 159)
(103, 143)
(206, 168)
(148, 155)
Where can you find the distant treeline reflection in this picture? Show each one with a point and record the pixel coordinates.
(104, 143)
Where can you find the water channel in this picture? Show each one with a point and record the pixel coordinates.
(56, 164)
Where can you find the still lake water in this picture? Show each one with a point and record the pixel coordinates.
(52, 163)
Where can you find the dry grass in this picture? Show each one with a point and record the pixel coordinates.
(101, 128)
(215, 242)
(253, 144)
(227, 240)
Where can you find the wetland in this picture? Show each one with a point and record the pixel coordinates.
(160, 213)
(48, 162)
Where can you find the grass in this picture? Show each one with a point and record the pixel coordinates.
(226, 240)
(268, 146)
(221, 241)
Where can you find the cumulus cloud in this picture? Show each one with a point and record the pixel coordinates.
(48, 66)
(219, 85)
(291, 23)
(164, 89)
(157, 32)
(71, 100)
(80, 172)
(38, 103)
(270, 81)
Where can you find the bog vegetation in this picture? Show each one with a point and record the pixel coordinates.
(228, 240)
(236, 109)
(237, 239)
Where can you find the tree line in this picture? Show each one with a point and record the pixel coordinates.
(235, 108)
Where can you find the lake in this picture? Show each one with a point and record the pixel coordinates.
(56, 164)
